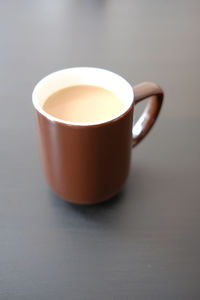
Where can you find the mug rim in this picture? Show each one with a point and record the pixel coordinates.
(50, 117)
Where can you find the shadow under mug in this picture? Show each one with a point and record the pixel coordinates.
(86, 163)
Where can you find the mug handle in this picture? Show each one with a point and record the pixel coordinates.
(144, 124)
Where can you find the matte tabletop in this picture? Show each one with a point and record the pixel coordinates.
(145, 242)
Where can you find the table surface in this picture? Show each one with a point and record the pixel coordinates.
(144, 243)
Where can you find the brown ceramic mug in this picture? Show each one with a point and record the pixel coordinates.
(87, 163)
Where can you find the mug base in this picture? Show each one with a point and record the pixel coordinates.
(91, 202)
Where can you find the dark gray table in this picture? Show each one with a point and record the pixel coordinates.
(144, 243)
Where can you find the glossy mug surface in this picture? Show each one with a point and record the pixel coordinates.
(86, 163)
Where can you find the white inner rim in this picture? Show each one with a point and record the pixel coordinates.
(77, 76)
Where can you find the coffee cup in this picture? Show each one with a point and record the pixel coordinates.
(87, 163)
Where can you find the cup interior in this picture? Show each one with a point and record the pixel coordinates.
(82, 76)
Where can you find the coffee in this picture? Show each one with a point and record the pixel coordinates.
(83, 104)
